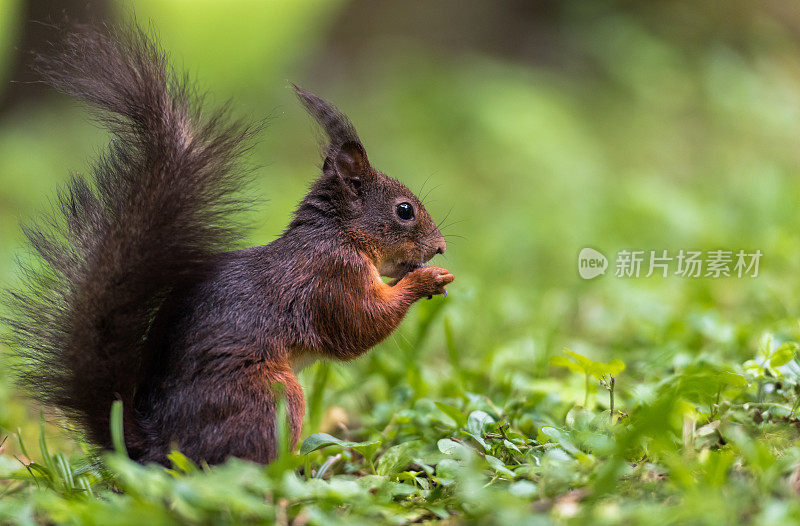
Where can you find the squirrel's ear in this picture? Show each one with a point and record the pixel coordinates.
(350, 165)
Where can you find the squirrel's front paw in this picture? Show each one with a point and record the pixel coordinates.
(431, 280)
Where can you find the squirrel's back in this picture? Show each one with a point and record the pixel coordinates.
(146, 222)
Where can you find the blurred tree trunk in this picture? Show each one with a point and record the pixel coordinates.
(40, 21)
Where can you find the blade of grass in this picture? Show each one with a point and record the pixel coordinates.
(117, 430)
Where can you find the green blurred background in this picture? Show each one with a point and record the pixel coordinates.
(539, 128)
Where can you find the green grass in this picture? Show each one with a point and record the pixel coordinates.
(656, 137)
(700, 439)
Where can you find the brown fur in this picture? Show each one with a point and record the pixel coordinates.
(140, 301)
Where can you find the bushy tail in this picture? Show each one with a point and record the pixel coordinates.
(157, 205)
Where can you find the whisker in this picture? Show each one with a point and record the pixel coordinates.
(445, 217)
(452, 223)
(429, 192)
(423, 186)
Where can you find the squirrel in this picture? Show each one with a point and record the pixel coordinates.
(138, 295)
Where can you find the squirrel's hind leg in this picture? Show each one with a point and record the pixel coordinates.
(234, 414)
(251, 431)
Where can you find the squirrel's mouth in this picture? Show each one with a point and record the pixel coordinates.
(397, 270)
(411, 267)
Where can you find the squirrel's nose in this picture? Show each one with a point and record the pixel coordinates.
(441, 246)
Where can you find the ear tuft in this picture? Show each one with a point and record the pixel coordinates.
(337, 126)
(345, 157)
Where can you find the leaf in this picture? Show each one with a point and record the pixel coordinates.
(548, 433)
(65, 470)
(451, 447)
(561, 361)
(321, 440)
(511, 445)
(498, 466)
(453, 412)
(581, 364)
(181, 463)
(367, 449)
(733, 379)
(448, 470)
(765, 345)
(397, 457)
(708, 429)
(117, 432)
(783, 354)
(614, 367)
(479, 439)
(582, 360)
(478, 421)
(46, 458)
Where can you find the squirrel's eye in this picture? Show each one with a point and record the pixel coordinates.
(405, 211)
